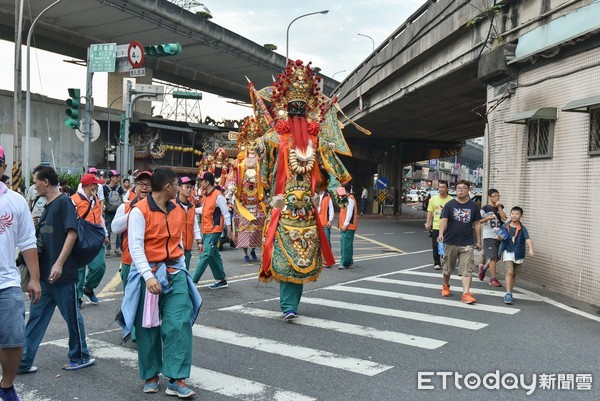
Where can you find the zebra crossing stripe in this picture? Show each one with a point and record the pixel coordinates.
(370, 332)
(429, 300)
(438, 287)
(376, 310)
(200, 378)
(319, 357)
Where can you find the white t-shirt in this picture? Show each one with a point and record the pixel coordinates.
(16, 231)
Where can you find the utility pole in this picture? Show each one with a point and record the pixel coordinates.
(88, 113)
(17, 98)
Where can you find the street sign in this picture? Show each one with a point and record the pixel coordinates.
(135, 54)
(158, 89)
(382, 197)
(137, 72)
(382, 183)
(95, 131)
(102, 57)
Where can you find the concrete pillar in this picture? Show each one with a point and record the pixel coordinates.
(115, 89)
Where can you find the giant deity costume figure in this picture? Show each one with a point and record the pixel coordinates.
(245, 188)
(297, 158)
(218, 167)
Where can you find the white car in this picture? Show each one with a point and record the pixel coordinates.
(413, 195)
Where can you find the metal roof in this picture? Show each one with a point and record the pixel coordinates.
(543, 113)
(582, 105)
(214, 59)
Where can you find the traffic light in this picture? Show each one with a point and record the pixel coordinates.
(166, 49)
(72, 112)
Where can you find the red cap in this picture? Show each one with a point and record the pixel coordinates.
(143, 174)
(89, 179)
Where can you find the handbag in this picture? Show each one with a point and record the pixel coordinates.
(90, 239)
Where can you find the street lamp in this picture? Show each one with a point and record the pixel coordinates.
(287, 34)
(339, 72)
(367, 36)
(26, 159)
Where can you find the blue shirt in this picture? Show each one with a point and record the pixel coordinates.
(58, 218)
(461, 218)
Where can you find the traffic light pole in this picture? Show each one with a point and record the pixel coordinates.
(130, 98)
(88, 114)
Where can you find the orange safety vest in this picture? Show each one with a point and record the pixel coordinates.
(126, 256)
(353, 221)
(212, 218)
(324, 212)
(163, 230)
(188, 229)
(95, 214)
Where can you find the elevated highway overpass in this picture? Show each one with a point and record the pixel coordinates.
(417, 92)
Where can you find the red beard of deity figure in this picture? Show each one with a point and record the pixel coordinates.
(299, 128)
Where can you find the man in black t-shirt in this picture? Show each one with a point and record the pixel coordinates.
(57, 234)
(458, 219)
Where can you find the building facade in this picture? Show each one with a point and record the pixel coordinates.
(543, 143)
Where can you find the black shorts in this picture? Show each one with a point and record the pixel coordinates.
(490, 248)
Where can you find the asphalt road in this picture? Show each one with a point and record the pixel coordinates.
(363, 334)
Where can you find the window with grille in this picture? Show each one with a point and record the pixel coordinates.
(594, 146)
(540, 135)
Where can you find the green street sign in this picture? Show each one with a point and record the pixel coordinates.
(103, 57)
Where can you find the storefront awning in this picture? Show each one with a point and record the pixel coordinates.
(544, 113)
(169, 127)
(582, 105)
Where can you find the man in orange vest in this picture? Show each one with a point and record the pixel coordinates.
(89, 208)
(348, 222)
(160, 300)
(191, 231)
(326, 212)
(214, 213)
(119, 224)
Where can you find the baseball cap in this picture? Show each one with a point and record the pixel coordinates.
(89, 179)
(184, 180)
(2, 154)
(92, 170)
(113, 173)
(143, 174)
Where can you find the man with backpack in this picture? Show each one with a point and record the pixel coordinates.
(56, 237)
(113, 193)
(88, 208)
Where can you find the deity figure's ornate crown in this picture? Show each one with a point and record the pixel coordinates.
(250, 130)
(298, 83)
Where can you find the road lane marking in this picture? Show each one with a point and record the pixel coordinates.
(209, 380)
(364, 331)
(376, 310)
(111, 286)
(306, 354)
(391, 248)
(429, 300)
(438, 287)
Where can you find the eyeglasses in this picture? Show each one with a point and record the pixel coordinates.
(462, 188)
(143, 185)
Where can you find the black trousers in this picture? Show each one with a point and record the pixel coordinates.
(434, 247)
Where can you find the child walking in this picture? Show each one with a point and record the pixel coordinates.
(513, 248)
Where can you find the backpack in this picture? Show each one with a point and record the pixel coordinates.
(90, 239)
(114, 199)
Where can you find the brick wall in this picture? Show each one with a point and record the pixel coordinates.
(559, 195)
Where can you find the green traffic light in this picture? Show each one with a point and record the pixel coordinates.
(166, 49)
(73, 108)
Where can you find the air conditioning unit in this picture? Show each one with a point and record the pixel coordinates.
(493, 68)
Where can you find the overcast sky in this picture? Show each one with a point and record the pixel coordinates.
(330, 41)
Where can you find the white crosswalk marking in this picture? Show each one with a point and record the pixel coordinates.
(423, 317)
(319, 357)
(200, 378)
(386, 335)
(417, 298)
(439, 287)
